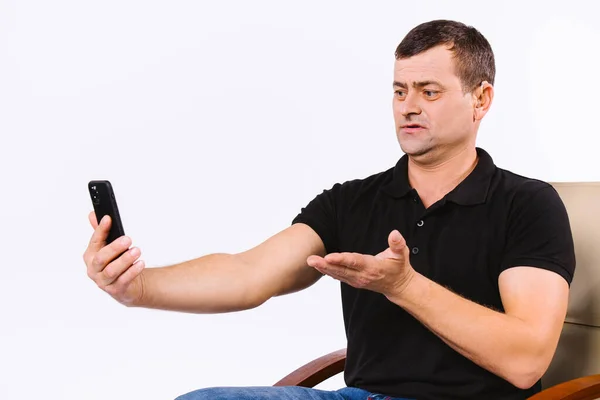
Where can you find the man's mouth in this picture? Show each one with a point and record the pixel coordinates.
(411, 128)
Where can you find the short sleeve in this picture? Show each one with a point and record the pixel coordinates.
(321, 215)
(539, 233)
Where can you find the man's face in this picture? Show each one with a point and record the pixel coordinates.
(428, 93)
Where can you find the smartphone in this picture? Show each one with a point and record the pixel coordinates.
(105, 203)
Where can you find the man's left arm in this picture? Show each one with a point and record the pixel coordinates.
(518, 344)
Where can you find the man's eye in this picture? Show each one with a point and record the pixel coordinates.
(431, 93)
(399, 93)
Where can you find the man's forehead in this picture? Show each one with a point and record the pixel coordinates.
(434, 64)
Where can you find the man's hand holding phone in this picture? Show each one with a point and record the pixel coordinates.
(114, 267)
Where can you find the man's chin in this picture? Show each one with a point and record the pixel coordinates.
(415, 151)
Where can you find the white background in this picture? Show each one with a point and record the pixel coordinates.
(216, 122)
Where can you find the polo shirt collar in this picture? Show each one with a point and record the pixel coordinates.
(472, 190)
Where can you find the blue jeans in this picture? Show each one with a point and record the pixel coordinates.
(281, 393)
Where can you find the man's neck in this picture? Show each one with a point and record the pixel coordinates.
(434, 179)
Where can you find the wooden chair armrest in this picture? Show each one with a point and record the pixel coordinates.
(585, 388)
(316, 371)
(323, 368)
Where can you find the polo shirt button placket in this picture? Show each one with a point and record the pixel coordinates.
(415, 250)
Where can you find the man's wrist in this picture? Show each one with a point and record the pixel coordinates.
(405, 288)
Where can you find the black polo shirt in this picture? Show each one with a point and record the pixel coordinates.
(493, 220)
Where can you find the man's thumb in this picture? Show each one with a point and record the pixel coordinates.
(396, 241)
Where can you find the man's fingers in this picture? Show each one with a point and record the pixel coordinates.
(116, 268)
(320, 263)
(336, 271)
(93, 220)
(314, 261)
(351, 260)
(107, 254)
(119, 286)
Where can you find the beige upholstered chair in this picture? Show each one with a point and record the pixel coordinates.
(574, 373)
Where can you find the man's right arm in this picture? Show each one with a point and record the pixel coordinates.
(214, 283)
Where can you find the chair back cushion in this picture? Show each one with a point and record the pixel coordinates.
(578, 352)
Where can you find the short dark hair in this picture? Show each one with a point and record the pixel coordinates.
(474, 59)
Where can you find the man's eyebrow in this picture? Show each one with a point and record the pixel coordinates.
(418, 85)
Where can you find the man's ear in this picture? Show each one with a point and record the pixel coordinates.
(484, 94)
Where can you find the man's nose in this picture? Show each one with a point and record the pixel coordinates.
(410, 105)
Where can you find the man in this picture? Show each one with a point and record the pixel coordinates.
(454, 273)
